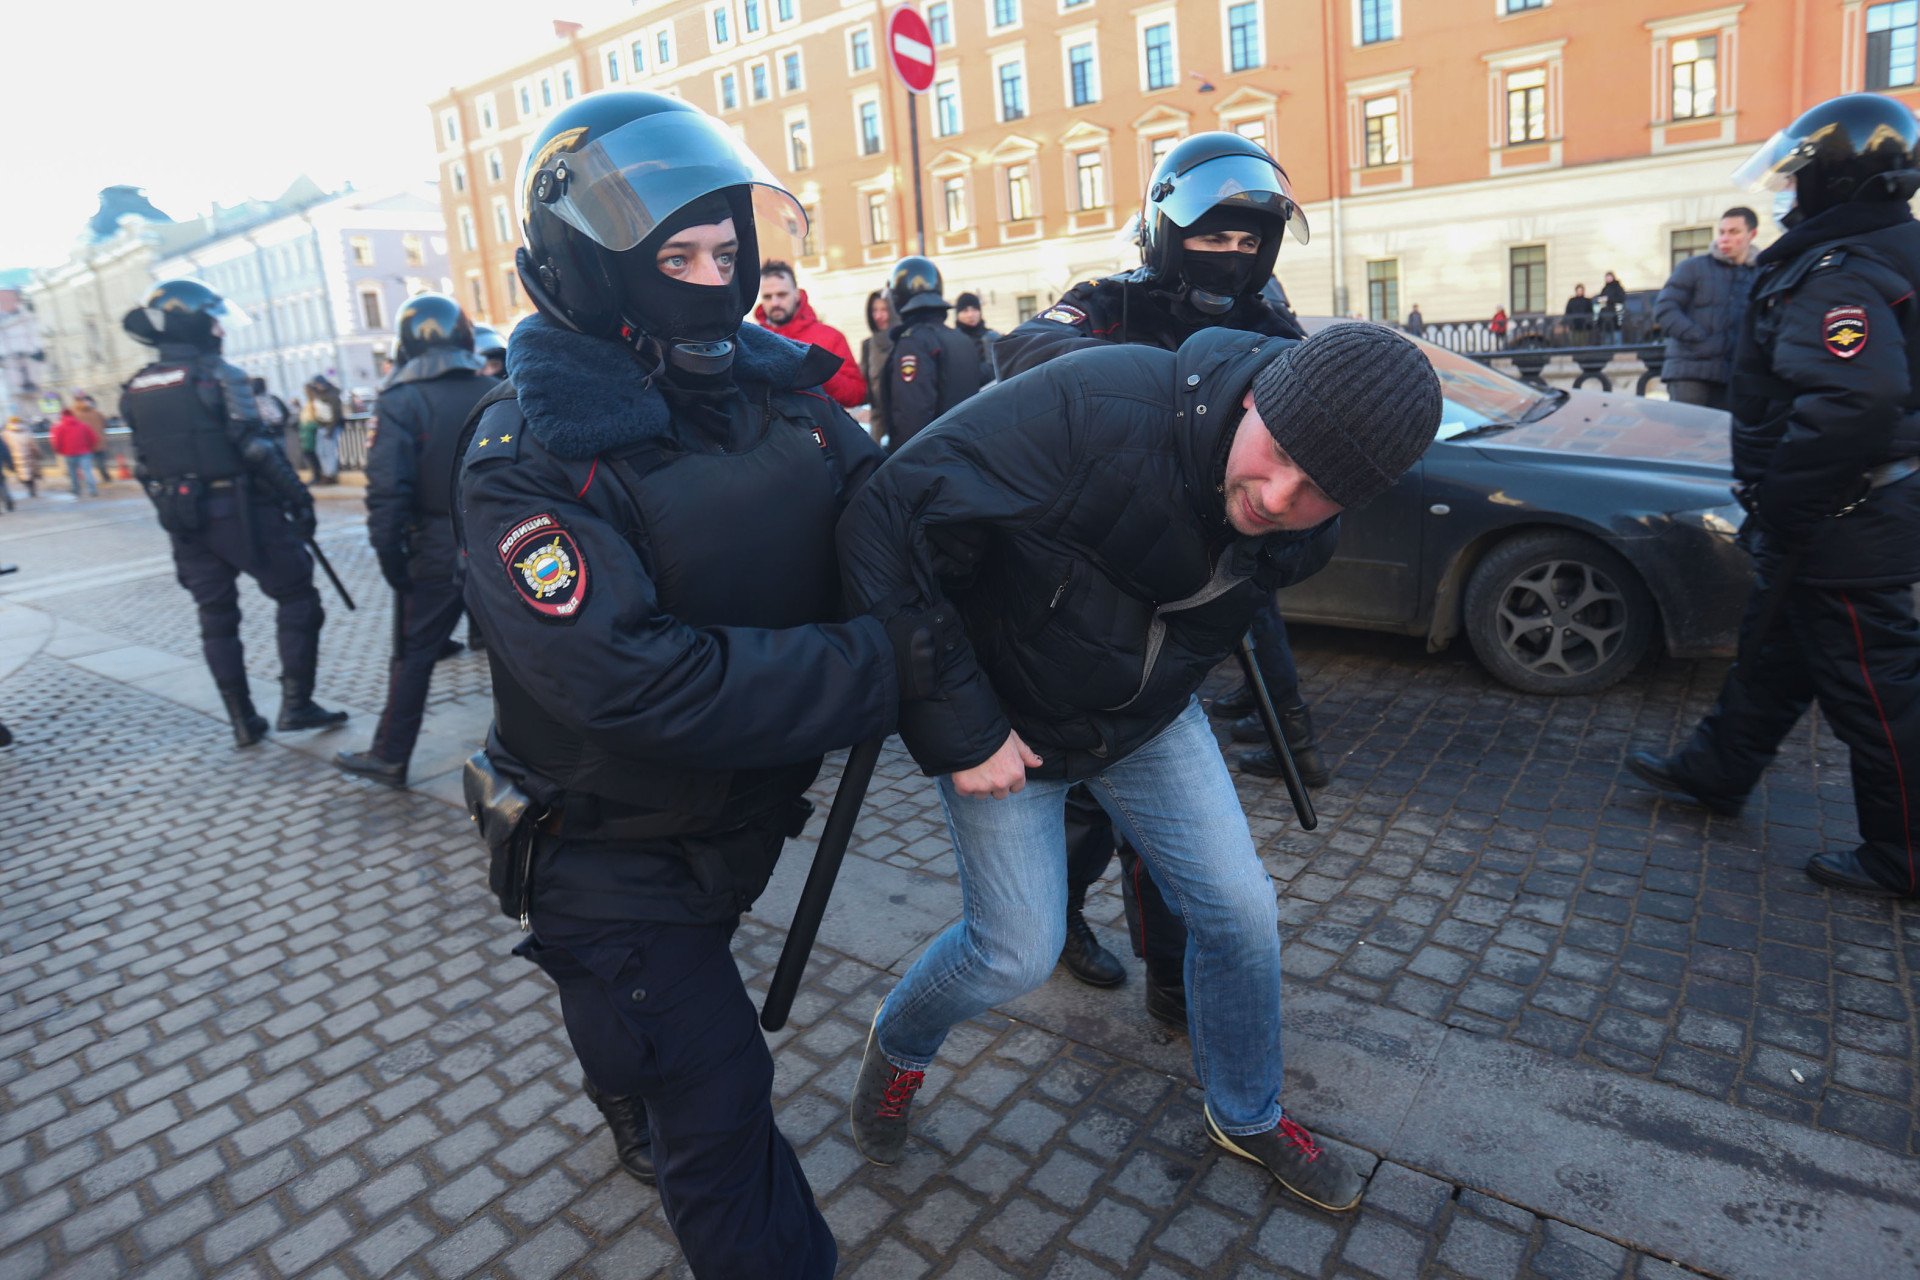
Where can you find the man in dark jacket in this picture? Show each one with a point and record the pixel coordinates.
(228, 498)
(648, 507)
(1106, 525)
(1826, 446)
(966, 318)
(931, 367)
(409, 503)
(1699, 312)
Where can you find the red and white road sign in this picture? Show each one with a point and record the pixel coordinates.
(910, 45)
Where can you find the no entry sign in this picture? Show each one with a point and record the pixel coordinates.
(910, 45)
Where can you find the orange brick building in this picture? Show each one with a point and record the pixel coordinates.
(1459, 154)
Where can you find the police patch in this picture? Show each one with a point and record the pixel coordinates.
(909, 365)
(1061, 313)
(1845, 331)
(545, 566)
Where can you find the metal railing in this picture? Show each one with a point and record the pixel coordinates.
(1531, 343)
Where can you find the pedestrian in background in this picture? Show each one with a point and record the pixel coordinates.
(1498, 326)
(85, 410)
(26, 461)
(1580, 314)
(329, 417)
(1699, 312)
(1612, 307)
(6, 465)
(785, 310)
(1416, 323)
(966, 318)
(310, 432)
(76, 442)
(874, 350)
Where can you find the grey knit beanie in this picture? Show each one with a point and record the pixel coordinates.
(1355, 405)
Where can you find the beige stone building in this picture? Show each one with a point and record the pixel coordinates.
(1459, 154)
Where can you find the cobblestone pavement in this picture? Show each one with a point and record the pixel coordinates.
(260, 1019)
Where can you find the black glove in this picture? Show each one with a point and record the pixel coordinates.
(924, 642)
(393, 567)
(303, 522)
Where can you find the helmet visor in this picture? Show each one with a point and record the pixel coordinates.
(622, 185)
(1773, 162)
(1234, 181)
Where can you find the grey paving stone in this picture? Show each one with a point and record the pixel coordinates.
(1111, 1229)
(1481, 1251)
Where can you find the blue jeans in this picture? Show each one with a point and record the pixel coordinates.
(1174, 801)
(81, 465)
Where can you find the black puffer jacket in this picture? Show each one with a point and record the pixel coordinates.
(1125, 309)
(410, 464)
(1074, 514)
(1699, 312)
(1826, 385)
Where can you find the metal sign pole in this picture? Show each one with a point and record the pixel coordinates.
(919, 210)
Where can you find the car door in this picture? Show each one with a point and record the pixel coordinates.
(1374, 577)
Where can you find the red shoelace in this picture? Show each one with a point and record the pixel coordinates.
(900, 1093)
(1300, 1138)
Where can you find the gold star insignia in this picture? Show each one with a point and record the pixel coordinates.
(504, 439)
(483, 442)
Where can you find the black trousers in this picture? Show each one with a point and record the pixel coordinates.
(1855, 651)
(1697, 391)
(209, 562)
(429, 610)
(659, 1010)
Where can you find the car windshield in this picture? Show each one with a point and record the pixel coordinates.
(1478, 398)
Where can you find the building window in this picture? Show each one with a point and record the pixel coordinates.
(496, 167)
(1527, 106)
(1003, 14)
(1254, 131)
(729, 91)
(1695, 77)
(750, 16)
(1158, 52)
(946, 108)
(469, 239)
(759, 84)
(510, 282)
(1527, 277)
(1688, 242)
(475, 292)
(487, 119)
(362, 251)
(860, 44)
(502, 222)
(1521, 6)
(953, 198)
(1158, 148)
(450, 126)
(1090, 179)
(1382, 117)
(722, 33)
(1383, 291)
(1026, 306)
(613, 74)
(790, 72)
(1083, 88)
(546, 92)
(869, 115)
(525, 94)
(458, 171)
(1019, 192)
(372, 310)
(1890, 43)
(416, 252)
(799, 146)
(638, 53)
(1243, 36)
(879, 218)
(809, 247)
(568, 89)
(783, 10)
(940, 22)
(663, 48)
(1013, 90)
(1379, 20)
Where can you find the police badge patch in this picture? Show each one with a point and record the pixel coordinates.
(1061, 313)
(1845, 331)
(545, 566)
(909, 365)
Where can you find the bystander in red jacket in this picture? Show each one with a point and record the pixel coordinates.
(71, 437)
(778, 289)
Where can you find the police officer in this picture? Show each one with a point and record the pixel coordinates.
(227, 497)
(1206, 262)
(421, 409)
(1826, 446)
(491, 346)
(648, 509)
(933, 366)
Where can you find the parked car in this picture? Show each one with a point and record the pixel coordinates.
(1563, 532)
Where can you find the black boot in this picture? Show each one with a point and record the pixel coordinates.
(298, 710)
(368, 765)
(627, 1119)
(1844, 869)
(1167, 1000)
(1663, 773)
(449, 648)
(249, 726)
(1234, 704)
(1296, 726)
(1085, 958)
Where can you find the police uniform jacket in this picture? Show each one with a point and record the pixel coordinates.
(1075, 516)
(662, 610)
(410, 463)
(1124, 308)
(931, 368)
(193, 417)
(1826, 386)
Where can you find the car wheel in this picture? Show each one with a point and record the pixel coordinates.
(1556, 612)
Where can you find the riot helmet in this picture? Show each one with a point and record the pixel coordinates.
(606, 183)
(1859, 146)
(914, 285)
(1215, 182)
(184, 311)
(488, 342)
(429, 320)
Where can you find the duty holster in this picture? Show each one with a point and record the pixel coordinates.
(178, 502)
(508, 818)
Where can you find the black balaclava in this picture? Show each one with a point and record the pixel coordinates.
(1217, 281)
(693, 324)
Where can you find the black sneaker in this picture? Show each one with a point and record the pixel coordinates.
(1661, 773)
(1296, 1162)
(882, 1096)
(632, 1140)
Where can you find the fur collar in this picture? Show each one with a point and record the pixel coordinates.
(582, 396)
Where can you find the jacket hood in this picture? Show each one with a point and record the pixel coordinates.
(803, 316)
(583, 395)
(435, 362)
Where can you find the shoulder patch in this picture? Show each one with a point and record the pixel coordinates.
(1064, 313)
(1844, 330)
(158, 378)
(493, 444)
(909, 366)
(544, 563)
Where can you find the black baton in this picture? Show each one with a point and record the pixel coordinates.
(813, 899)
(320, 557)
(1289, 771)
